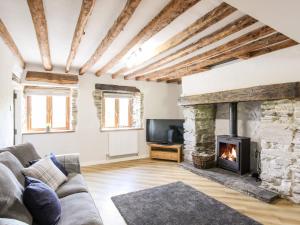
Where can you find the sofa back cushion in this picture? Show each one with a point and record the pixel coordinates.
(11, 191)
(24, 153)
(45, 171)
(10, 161)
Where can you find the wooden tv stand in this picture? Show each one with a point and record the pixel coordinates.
(168, 152)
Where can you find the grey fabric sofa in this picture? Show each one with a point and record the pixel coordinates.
(78, 207)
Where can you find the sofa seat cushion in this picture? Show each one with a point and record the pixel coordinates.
(11, 203)
(10, 161)
(79, 209)
(75, 184)
(24, 153)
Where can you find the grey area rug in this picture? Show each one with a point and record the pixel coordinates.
(176, 204)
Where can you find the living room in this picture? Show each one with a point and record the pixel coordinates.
(110, 110)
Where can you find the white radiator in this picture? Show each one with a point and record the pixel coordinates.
(122, 143)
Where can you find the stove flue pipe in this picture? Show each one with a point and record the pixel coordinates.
(233, 120)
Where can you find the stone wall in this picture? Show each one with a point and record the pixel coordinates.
(199, 129)
(274, 129)
(280, 141)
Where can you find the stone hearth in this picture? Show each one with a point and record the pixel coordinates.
(272, 125)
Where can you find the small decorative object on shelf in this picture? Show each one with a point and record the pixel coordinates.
(202, 160)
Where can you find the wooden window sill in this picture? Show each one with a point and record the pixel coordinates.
(119, 129)
(50, 132)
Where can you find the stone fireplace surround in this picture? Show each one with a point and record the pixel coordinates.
(269, 115)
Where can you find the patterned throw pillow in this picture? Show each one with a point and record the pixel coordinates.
(47, 172)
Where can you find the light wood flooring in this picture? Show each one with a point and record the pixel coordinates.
(108, 180)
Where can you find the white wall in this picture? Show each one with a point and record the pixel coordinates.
(277, 67)
(160, 101)
(6, 96)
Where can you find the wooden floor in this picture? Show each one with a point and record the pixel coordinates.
(108, 180)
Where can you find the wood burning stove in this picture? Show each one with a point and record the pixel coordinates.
(233, 152)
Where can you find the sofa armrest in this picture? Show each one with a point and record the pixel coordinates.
(6, 221)
(70, 162)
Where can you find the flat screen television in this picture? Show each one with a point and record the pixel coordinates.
(164, 131)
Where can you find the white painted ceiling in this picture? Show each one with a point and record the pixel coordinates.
(62, 16)
(282, 15)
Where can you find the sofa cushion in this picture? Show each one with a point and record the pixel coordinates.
(74, 184)
(24, 153)
(45, 171)
(10, 161)
(79, 209)
(55, 161)
(5, 221)
(42, 202)
(11, 191)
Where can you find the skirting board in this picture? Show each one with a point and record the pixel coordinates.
(106, 161)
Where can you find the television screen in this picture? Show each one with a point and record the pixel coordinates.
(164, 131)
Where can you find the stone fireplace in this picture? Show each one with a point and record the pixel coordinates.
(269, 115)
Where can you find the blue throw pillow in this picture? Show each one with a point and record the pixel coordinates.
(42, 202)
(56, 163)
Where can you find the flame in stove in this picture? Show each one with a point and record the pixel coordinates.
(229, 154)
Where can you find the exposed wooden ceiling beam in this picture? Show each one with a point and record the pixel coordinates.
(85, 12)
(253, 46)
(282, 45)
(227, 30)
(8, 40)
(40, 24)
(251, 36)
(178, 81)
(111, 35)
(52, 77)
(212, 17)
(164, 18)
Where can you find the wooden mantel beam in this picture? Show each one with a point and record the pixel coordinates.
(36, 8)
(257, 93)
(209, 19)
(85, 12)
(112, 34)
(235, 26)
(163, 19)
(8, 40)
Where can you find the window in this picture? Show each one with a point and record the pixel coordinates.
(117, 111)
(46, 112)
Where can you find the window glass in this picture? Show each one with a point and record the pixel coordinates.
(38, 111)
(124, 112)
(59, 112)
(110, 110)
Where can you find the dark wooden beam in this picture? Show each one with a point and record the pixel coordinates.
(282, 45)
(85, 12)
(51, 77)
(8, 40)
(36, 8)
(256, 45)
(109, 87)
(163, 19)
(257, 93)
(251, 36)
(112, 34)
(212, 17)
(225, 31)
